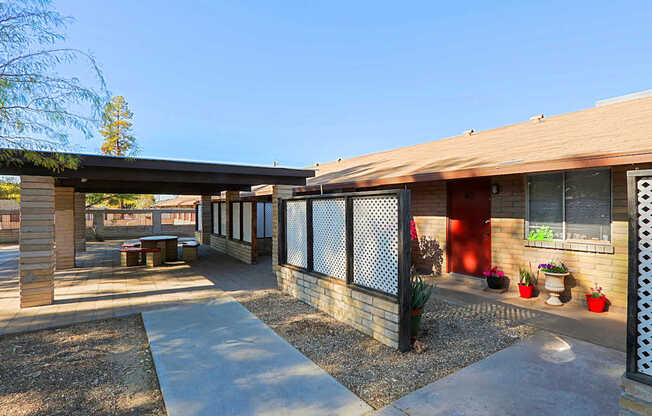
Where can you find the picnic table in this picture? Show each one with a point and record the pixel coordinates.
(167, 244)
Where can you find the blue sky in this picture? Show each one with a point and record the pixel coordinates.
(303, 82)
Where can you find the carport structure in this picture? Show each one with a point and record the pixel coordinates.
(52, 226)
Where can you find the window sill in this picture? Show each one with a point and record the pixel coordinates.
(605, 248)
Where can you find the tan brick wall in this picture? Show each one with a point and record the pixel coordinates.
(64, 230)
(239, 250)
(371, 315)
(9, 236)
(509, 251)
(636, 398)
(429, 212)
(36, 254)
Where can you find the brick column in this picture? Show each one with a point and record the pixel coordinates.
(278, 192)
(206, 220)
(36, 245)
(230, 196)
(64, 227)
(80, 222)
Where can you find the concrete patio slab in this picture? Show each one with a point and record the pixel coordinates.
(545, 375)
(216, 358)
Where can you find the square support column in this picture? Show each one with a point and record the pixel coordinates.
(279, 192)
(64, 227)
(206, 219)
(80, 222)
(36, 244)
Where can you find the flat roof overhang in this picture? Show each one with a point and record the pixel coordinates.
(109, 174)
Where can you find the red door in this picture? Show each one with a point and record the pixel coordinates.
(469, 227)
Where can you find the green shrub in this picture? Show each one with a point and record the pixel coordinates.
(543, 233)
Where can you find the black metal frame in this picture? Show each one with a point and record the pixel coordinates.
(404, 215)
(631, 371)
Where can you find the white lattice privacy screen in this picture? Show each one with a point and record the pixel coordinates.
(295, 233)
(329, 237)
(246, 221)
(223, 218)
(375, 243)
(235, 220)
(644, 339)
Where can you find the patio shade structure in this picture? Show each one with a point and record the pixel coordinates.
(52, 226)
(109, 174)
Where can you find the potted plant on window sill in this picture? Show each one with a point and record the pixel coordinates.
(555, 274)
(421, 292)
(495, 278)
(525, 285)
(596, 299)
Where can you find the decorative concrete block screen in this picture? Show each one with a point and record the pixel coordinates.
(639, 319)
(349, 255)
(329, 237)
(296, 233)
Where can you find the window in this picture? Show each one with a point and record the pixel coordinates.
(574, 205)
(198, 216)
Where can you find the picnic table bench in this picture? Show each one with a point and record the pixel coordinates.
(130, 256)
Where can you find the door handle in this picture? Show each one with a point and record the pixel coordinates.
(487, 221)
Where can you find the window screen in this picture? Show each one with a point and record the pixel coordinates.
(246, 221)
(216, 218)
(223, 218)
(588, 205)
(260, 220)
(545, 204)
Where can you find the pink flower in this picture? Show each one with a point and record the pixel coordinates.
(500, 273)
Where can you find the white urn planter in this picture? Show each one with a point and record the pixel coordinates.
(555, 286)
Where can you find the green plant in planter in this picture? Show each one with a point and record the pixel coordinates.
(420, 293)
(543, 233)
(526, 276)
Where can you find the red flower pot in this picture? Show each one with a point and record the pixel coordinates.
(596, 304)
(525, 291)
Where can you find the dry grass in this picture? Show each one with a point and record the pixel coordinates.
(96, 368)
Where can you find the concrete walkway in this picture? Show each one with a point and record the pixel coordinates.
(546, 375)
(216, 358)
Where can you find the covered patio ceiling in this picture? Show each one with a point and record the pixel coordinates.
(109, 174)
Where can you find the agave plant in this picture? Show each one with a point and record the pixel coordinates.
(421, 290)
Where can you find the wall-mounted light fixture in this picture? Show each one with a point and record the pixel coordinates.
(84, 180)
(495, 189)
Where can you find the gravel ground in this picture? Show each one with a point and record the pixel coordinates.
(453, 337)
(96, 368)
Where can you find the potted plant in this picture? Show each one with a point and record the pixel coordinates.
(421, 292)
(596, 299)
(525, 285)
(555, 274)
(495, 278)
